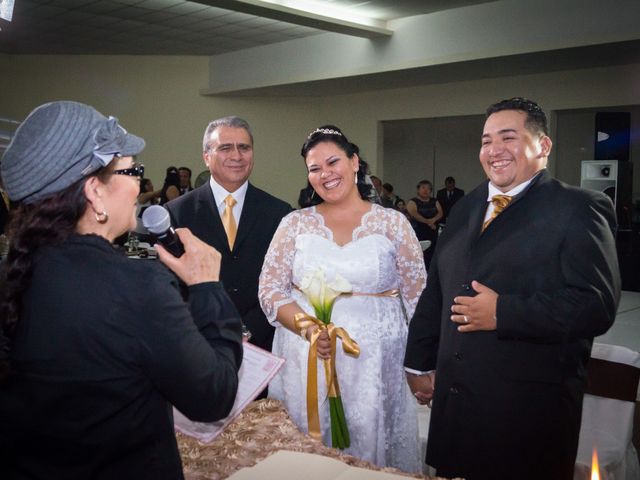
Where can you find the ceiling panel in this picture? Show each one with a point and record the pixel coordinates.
(170, 24)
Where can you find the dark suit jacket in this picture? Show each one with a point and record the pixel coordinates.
(510, 400)
(240, 269)
(447, 202)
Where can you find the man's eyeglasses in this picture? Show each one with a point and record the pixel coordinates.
(137, 171)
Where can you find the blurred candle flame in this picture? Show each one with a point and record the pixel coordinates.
(595, 469)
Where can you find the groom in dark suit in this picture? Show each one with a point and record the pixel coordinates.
(523, 278)
(234, 217)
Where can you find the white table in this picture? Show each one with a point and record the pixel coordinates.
(625, 330)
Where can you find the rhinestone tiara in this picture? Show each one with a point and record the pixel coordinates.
(324, 131)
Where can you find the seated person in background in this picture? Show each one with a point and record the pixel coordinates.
(448, 196)
(98, 347)
(171, 186)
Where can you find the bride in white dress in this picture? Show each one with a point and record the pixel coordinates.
(375, 249)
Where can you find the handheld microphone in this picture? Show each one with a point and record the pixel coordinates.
(156, 219)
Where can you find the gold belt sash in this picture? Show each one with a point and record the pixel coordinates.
(394, 292)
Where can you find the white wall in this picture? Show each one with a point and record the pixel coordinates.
(158, 98)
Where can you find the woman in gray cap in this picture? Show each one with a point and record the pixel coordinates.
(97, 345)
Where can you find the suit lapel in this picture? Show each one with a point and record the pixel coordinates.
(249, 216)
(477, 211)
(208, 213)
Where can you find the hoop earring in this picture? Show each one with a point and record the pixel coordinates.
(102, 217)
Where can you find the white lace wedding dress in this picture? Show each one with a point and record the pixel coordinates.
(383, 254)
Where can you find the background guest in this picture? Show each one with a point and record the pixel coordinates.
(524, 276)
(425, 213)
(171, 186)
(401, 206)
(306, 196)
(448, 196)
(375, 249)
(148, 196)
(387, 198)
(376, 192)
(241, 232)
(100, 346)
(185, 180)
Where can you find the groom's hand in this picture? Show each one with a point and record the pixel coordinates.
(422, 387)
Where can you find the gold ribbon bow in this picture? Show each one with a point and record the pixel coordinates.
(350, 347)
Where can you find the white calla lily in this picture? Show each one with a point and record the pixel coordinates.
(322, 294)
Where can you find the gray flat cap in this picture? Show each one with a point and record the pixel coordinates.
(58, 144)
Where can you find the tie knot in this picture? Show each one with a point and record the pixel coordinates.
(230, 201)
(501, 201)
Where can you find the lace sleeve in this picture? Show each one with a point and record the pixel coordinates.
(410, 264)
(274, 289)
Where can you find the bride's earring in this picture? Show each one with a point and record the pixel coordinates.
(355, 178)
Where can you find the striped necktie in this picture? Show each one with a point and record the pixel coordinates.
(500, 202)
(229, 221)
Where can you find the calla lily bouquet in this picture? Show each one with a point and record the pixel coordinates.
(322, 295)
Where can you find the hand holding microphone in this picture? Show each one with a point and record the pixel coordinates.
(198, 262)
(156, 219)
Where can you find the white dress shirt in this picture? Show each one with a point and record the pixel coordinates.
(220, 193)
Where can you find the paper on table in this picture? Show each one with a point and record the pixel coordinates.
(285, 465)
(257, 369)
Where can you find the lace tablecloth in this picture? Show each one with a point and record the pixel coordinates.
(261, 429)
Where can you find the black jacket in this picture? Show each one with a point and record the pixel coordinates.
(508, 402)
(104, 346)
(240, 270)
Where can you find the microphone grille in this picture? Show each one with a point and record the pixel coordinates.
(156, 219)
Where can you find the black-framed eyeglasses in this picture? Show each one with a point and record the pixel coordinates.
(137, 171)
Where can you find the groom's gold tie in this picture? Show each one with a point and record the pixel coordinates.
(228, 221)
(500, 202)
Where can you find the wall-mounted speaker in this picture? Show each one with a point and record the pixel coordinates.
(614, 179)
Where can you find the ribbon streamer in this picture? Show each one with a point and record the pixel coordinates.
(350, 347)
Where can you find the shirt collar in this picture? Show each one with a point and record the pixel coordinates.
(220, 193)
(493, 190)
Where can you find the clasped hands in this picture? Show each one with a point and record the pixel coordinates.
(477, 312)
(422, 387)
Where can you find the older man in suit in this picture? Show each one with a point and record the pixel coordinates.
(234, 217)
(523, 278)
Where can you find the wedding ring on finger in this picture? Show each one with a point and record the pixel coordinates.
(466, 320)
